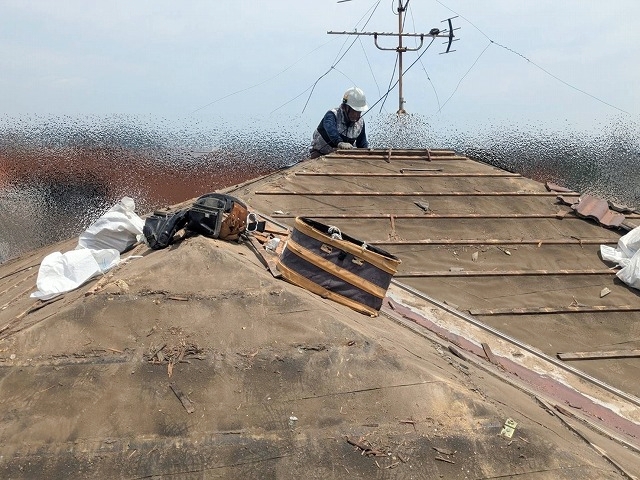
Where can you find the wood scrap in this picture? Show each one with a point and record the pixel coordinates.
(442, 459)
(490, 356)
(186, 403)
(367, 451)
(599, 354)
(444, 451)
(268, 260)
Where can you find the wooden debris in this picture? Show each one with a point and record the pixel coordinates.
(393, 235)
(268, 260)
(186, 403)
(604, 292)
(155, 352)
(444, 451)
(178, 298)
(457, 353)
(490, 356)
(599, 354)
(424, 206)
(442, 459)
(368, 451)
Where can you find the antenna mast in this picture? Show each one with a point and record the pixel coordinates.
(400, 49)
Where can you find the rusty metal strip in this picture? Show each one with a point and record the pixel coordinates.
(494, 241)
(408, 175)
(504, 273)
(408, 194)
(554, 310)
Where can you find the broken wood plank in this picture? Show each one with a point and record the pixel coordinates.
(599, 354)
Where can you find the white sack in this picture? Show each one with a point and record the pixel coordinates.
(630, 273)
(629, 243)
(60, 273)
(627, 256)
(610, 254)
(118, 228)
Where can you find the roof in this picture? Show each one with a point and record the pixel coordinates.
(195, 362)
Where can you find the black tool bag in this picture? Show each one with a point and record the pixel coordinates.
(160, 228)
(218, 215)
(333, 265)
(206, 214)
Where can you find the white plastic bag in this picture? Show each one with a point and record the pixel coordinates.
(629, 243)
(61, 273)
(610, 254)
(630, 273)
(627, 256)
(118, 228)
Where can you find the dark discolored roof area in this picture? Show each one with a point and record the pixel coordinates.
(194, 362)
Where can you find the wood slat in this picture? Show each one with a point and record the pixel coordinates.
(494, 241)
(436, 216)
(408, 175)
(553, 310)
(598, 355)
(504, 273)
(408, 194)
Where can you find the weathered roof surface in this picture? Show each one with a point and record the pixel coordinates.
(261, 379)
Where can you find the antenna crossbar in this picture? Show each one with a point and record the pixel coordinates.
(400, 49)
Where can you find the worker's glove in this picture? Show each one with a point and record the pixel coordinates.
(345, 145)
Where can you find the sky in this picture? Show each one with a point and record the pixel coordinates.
(550, 61)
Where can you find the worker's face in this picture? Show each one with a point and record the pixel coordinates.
(353, 115)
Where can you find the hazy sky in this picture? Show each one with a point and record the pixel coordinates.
(176, 58)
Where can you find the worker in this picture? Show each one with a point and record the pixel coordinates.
(342, 127)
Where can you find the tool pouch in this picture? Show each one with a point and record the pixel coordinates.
(218, 215)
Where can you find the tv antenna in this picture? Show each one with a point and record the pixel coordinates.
(400, 48)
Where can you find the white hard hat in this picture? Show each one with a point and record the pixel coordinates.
(354, 97)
